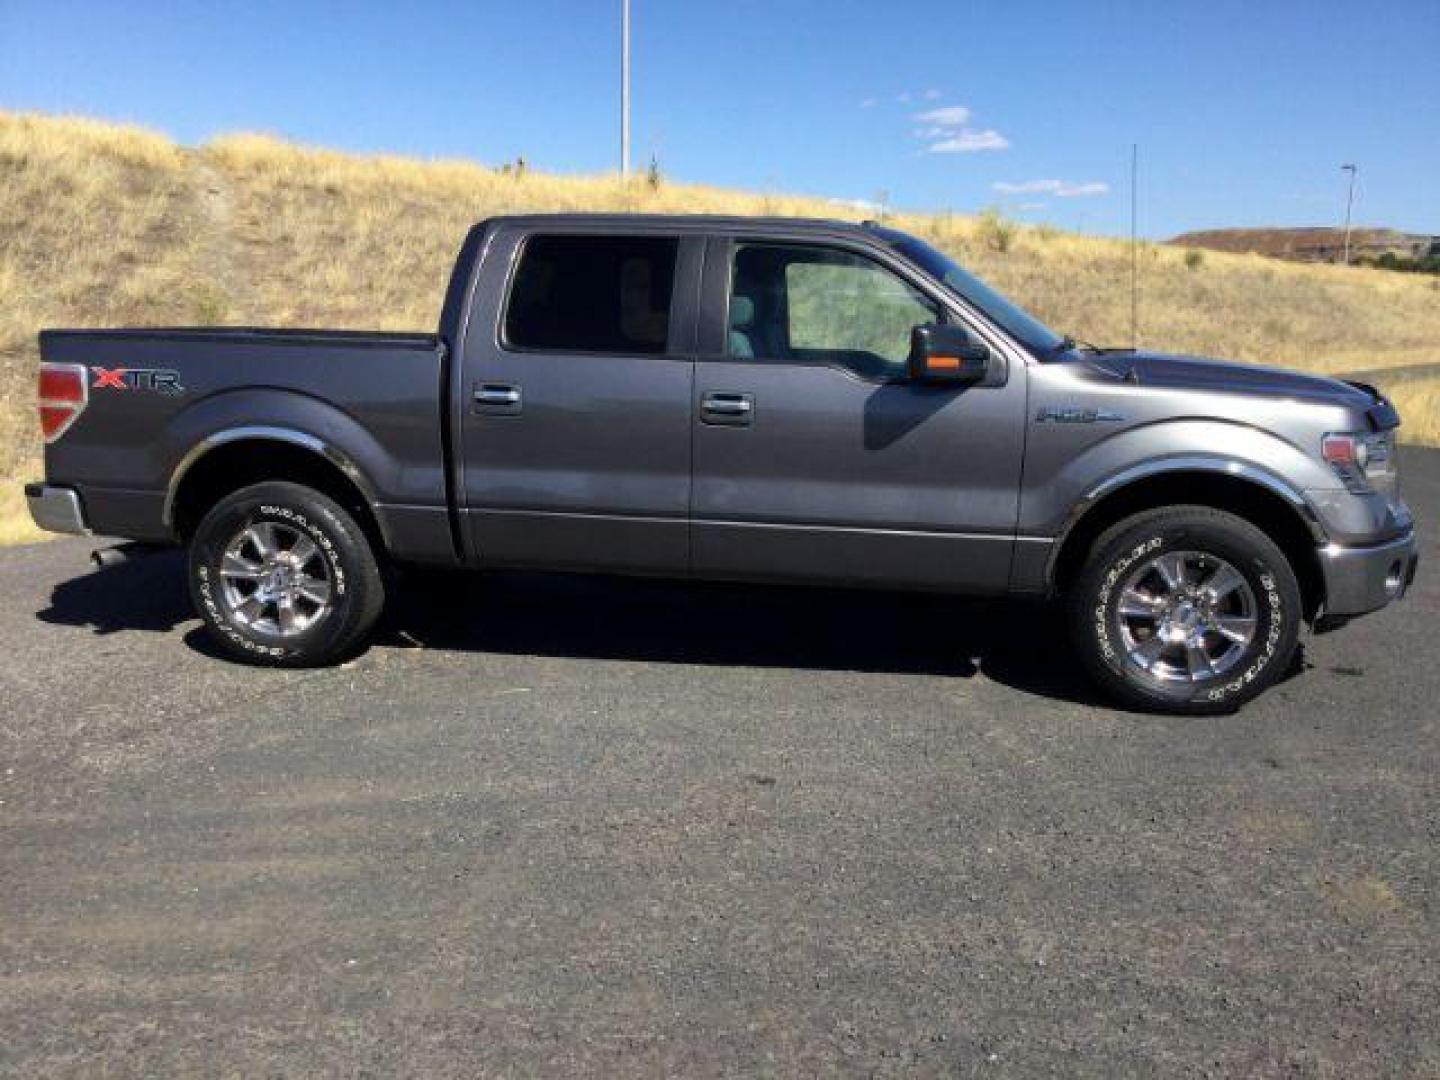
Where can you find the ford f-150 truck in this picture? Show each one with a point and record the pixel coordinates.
(737, 398)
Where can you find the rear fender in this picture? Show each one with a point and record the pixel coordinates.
(280, 416)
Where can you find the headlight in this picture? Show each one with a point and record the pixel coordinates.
(1359, 457)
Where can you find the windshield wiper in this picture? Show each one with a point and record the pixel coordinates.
(1066, 343)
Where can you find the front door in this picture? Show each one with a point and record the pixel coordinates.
(577, 368)
(815, 457)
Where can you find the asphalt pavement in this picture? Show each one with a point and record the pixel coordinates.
(562, 826)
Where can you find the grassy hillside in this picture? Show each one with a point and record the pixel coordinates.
(104, 225)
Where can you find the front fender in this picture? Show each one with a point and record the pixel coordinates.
(1059, 491)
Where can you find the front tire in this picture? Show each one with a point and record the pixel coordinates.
(284, 577)
(1186, 610)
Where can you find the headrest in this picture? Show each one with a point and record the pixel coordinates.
(742, 312)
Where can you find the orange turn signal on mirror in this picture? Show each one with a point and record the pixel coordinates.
(943, 363)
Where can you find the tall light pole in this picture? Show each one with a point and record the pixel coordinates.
(1349, 202)
(624, 87)
(1134, 246)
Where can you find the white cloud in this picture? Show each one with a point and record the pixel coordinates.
(931, 95)
(944, 129)
(1061, 189)
(904, 99)
(947, 116)
(868, 103)
(968, 141)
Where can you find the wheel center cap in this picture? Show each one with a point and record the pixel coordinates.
(1182, 622)
(275, 581)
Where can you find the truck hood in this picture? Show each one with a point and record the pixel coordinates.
(1199, 373)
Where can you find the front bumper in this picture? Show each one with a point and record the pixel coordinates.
(56, 509)
(1361, 579)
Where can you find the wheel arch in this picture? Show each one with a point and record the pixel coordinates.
(1279, 510)
(228, 460)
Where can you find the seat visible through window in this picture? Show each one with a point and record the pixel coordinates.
(742, 319)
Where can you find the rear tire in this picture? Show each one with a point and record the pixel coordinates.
(1186, 610)
(283, 576)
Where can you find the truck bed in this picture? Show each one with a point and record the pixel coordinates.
(370, 401)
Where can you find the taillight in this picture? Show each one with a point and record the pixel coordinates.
(64, 393)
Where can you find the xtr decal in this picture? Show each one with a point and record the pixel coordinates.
(160, 380)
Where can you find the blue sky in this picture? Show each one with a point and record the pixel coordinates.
(1244, 111)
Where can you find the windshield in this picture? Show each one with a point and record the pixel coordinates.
(1014, 320)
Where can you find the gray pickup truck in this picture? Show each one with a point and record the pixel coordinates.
(737, 398)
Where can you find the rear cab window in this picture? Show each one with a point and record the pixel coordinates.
(592, 294)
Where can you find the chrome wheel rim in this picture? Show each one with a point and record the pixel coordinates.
(274, 579)
(1187, 616)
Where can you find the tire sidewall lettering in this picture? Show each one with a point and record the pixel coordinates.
(1100, 611)
(1274, 607)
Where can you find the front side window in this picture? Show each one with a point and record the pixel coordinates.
(598, 294)
(1012, 318)
(806, 304)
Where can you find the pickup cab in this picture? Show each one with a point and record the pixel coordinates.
(737, 398)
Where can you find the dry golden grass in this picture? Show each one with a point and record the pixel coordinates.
(102, 224)
(15, 524)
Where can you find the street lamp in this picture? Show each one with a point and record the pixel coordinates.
(1349, 202)
(624, 87)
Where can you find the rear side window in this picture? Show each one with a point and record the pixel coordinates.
(600, 294)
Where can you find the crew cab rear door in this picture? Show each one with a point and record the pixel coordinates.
(577, 363)
(815, 456)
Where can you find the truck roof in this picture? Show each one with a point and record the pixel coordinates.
(680, 222)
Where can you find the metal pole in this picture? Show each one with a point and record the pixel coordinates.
(1134, 249)
(1349, 202)
(624, 87)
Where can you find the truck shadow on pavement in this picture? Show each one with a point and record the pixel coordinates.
(1022, 645)
(145, 592)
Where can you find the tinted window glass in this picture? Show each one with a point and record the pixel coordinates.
(606, 294)
(806, 304)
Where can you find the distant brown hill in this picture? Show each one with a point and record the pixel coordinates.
(1322, 244)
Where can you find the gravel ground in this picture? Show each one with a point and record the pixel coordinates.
(631, 828)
